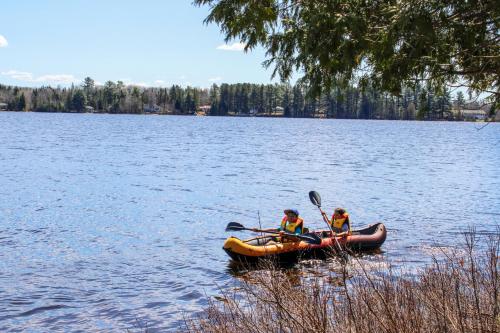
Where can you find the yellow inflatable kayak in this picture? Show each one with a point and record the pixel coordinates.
(250, 250)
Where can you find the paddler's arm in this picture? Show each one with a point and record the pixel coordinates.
(325, 217)
(345, 230)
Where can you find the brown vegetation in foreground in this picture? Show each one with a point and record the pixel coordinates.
(459, 293)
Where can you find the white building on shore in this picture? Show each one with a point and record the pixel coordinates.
(473, 115)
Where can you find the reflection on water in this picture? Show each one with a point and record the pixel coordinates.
(115, 222)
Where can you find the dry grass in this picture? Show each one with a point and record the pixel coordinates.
(457, 293)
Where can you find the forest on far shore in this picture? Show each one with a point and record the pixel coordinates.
(242, 99)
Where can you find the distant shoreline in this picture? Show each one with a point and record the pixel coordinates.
(246, 100)
(496, 119)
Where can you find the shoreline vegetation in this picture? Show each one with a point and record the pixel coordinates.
(245, 99)
(458, 292)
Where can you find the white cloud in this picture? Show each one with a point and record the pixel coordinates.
(57, 78)
(48, 78)
(130, 82)
(17, 75)
(160, 83)
(215, 79)
(232, 47)
(3, 41)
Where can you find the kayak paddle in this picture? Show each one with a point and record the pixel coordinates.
(310, 238)
(316, 200)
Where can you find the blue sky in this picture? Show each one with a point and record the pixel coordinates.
(148, 42)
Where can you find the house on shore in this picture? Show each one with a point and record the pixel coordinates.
(473, 115)
(203, 110)
(152, 109)
(278, 111)
(89, 109)
(3, 106)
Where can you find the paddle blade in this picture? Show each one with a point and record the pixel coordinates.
(234, 226)
(315, 198)
(312, 239)
(308, 238)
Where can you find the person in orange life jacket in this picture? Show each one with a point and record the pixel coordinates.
(340, 222)
(291, 223)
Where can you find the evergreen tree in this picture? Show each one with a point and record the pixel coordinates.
(21, 104)
(224, 98)
(215, 99)
(109, 95)
(460, 101)
(68, 103)
(136, 95)
(423, 108)
(78, 100)
(144, 100)
(88, 88)
(364, 112)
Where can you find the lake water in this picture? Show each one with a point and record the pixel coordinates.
(116, 222)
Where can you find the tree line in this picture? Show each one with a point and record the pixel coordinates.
(240, 99)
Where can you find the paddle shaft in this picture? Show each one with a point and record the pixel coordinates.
(309, 238)
(260, 230)
(325, 218)
(276, 233)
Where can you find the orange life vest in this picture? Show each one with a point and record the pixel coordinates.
(291, 227)
(338, 222)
